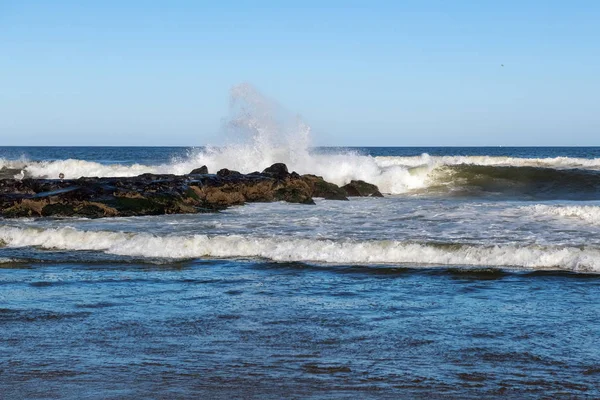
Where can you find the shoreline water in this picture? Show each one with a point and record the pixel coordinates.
(222, 329)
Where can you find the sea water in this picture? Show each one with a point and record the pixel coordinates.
(476, 275)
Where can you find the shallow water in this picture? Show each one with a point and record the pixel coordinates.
(221, 329)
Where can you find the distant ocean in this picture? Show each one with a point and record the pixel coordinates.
(476, 275)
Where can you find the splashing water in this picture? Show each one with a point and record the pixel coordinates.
(266, 133)
(260, 133)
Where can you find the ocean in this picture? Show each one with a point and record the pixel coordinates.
(477, 275)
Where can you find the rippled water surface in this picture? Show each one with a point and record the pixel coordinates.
(221, 329)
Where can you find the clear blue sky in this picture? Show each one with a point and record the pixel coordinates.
(395, 73)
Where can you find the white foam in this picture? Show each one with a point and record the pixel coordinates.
(588, 214)
(309, 250)
(551, 162)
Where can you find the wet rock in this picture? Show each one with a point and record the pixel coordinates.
(225, 172)
(203, 170)
(277, 171)
(324, 189)
(23, 208)
(361, 189)
(10, 173)
(148, 194)
(294, 191)
(58, 210)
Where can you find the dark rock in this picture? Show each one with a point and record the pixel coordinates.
(58, 210)
(225, 172)
(151, 194)
(321, 188)
(203, 170)
(361, 189)
(277, 170)
(293, 195)
(293, 191)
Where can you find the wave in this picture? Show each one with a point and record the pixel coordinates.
(588, 214)
(577, 259)
(391, 176)
(550, 162)
(520, 182)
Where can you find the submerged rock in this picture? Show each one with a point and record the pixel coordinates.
(361, 189)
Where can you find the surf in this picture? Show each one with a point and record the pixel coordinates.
(585, 214)
(281, 249)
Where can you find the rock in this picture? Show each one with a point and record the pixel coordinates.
(293, 191)
(321, 188)
(58, 210)
(277, 171)
(361, 189)
(147, 194)
(225, 172)
(10, 173)
(203, 170)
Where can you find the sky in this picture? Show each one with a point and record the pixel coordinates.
(360, 73)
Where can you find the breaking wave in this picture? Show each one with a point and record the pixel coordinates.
(579, 259)
(588, 214)
(393, 175)
(521, 182)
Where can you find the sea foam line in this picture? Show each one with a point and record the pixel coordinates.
(588, 214)
(308, 250)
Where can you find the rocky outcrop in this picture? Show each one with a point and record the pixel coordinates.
(324, 189)
(151, 194)
(278, 171)
(146, 194)
(203, 170)
(361, 189)
(225, 172)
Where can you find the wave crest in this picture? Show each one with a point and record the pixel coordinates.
(308, 250)
(393, 175)
(588, 214)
